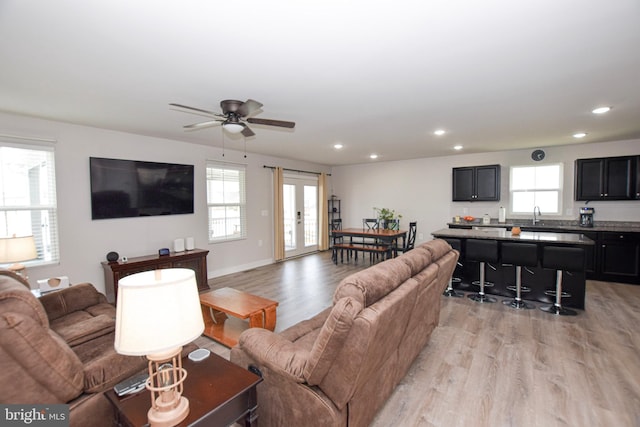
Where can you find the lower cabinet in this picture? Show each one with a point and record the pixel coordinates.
(619, 257)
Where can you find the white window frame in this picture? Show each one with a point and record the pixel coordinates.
(536, 189)
(234, 227)
(29, 169)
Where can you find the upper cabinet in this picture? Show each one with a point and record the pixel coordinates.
(476, 183)
(607, 178)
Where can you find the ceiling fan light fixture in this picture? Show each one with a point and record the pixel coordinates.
(233, 127)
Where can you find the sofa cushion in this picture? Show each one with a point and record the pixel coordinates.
(330, 339)
(103, 367)
(15, 297)
(68, 300)
(417, 259)
(368, 286)
(36, 364)
(81, 326)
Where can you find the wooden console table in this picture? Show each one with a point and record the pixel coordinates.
(195, 259)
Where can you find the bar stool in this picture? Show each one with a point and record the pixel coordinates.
(482, 251)
(561, 259)
(450, 292)
(520, 255)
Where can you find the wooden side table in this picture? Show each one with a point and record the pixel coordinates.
(218, 304)
(219, 392)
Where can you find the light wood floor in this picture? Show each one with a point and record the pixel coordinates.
(489, 365)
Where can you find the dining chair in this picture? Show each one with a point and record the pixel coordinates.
(410, 241)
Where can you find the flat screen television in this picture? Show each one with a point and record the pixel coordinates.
(131, 188)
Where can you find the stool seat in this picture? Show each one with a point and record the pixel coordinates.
(561, 259)
(520, 255)
(482, 251)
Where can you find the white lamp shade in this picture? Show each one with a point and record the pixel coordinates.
(17, 249)
(157, 311)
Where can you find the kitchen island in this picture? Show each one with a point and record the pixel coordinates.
(537, 279)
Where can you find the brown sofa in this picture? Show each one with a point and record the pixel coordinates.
(59, 349)
(339, 367)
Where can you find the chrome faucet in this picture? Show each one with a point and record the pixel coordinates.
(536, 214)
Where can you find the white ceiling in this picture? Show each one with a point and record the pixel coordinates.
(377, 76)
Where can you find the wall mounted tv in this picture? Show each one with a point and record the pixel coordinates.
(130, 188)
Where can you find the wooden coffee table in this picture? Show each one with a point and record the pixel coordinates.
(217, 305)
(219, 392)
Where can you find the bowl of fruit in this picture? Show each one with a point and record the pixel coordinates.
(469, 218)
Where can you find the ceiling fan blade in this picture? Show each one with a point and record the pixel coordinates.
(193, 110)
(248, 107)
(270, 122)
(202, 125)
(247, 132)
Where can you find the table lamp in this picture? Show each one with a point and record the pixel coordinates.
(156, 314)
(15, 250)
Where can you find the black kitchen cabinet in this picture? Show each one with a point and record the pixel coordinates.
(476, 183)
(619, 257)
(608, 178)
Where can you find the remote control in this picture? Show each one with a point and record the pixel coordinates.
(131, 385)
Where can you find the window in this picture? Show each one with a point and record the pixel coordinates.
(28, 198)
(532, 186)
(226, 201)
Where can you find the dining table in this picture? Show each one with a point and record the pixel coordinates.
(381, 235)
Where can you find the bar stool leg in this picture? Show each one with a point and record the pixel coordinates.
(450, 292)
(518, 303)
(557, 308)
(480, 296)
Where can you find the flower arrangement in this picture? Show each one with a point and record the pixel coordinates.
(387, 217)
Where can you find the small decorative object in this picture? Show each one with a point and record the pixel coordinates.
(515, 231)
(157, 313)
(189, 244)
(486, 219)
(386, 216)
(112, 256)
(178, 245)
(537, 155)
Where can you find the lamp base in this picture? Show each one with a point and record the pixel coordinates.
(169, 418)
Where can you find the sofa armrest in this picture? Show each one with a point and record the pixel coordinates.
(68, 300)
(277, 353)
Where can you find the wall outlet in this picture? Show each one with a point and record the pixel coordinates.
(569, 212)
(420, 236)
(260, 243)
(264, 212)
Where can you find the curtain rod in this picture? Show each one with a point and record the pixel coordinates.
(295, 170)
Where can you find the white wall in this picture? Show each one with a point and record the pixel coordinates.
(420, 189)
(84, 243)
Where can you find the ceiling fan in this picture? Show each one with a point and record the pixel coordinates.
(234, 117)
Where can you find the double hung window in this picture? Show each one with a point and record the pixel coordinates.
(28, 198)
(532, 186)
(226, 201)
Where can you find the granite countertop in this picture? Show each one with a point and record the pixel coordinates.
(505, 235)
(560, 225)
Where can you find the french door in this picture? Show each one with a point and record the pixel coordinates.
(300, 199)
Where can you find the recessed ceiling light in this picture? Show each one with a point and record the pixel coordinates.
(457, 147)
(373, 156)
(439, 132)
(337, 146)
(579, 134)
(601, 110)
